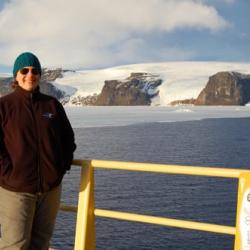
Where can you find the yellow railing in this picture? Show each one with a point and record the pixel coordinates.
(86, 211)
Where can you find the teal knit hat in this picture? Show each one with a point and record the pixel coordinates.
(26, 59)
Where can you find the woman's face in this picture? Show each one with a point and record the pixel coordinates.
(28, 78)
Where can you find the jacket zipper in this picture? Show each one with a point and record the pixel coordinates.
(39, 186)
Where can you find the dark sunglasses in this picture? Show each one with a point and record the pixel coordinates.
(25, 71)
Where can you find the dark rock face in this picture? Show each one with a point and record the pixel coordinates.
(84, 101)
(225, 88)
(48, 88)
(184, 102)
(50, 75)
(137, 89)
(5, 85)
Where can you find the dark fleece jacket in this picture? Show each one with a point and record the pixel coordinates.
(36, 142)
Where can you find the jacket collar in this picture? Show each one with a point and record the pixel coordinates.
(27, 94)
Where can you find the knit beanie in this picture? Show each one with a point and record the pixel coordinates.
(26, 59)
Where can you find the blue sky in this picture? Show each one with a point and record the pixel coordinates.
(104, 33)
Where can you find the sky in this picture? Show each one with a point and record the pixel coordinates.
(90, 34)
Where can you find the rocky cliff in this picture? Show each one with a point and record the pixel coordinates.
(47, 87)
(5, 86)
(225, 88)
(183, 102)
(137, 89)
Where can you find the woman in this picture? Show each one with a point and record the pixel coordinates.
(36, 149)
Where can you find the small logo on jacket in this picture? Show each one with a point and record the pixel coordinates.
(48, 115)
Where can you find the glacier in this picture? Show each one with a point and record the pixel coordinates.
(181, 80)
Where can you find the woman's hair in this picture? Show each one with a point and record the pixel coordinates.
(14, 83)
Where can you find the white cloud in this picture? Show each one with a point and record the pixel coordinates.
(84, 33)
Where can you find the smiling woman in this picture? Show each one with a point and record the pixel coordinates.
(36, 149)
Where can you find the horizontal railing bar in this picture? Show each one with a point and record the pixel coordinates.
(162, 168)
(158, 220)
(169, 169)
(166, 221)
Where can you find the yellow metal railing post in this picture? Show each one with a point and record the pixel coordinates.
(242, 237)
(85, 224)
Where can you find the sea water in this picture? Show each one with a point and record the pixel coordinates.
(207, 136)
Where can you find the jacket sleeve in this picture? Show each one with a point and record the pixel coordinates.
(68, 138)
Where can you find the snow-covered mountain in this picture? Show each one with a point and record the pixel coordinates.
(180, 80)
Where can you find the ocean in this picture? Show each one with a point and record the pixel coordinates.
(216, 142)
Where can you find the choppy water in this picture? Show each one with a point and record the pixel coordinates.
(209, 142)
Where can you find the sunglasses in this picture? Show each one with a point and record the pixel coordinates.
(25, 71)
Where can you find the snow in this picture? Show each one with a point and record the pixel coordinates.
(181, 80)
(101, 116)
